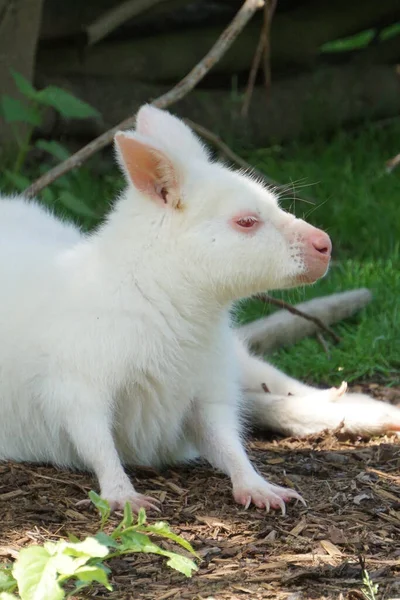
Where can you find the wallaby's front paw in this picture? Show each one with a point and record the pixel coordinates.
(137, 501)
(263, 494)
(118, 502)
(118, 495)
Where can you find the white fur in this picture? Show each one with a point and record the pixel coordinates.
(117, 347)
(293, 408)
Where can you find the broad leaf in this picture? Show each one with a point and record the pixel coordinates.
(127, 521)
(93, 573)
(36, 575)
(24, 86)
(78, 207)
(54, 148)
(7, 581)
(71, 537)
(106, 540)
(102, 505)
(65, 103)
(182, 564)
(163, 530)
(141, 518)
(137, 542)
(90, 547)
(14, 111)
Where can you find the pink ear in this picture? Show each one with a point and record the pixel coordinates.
(149, 169)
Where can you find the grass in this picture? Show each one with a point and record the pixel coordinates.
(359, 205)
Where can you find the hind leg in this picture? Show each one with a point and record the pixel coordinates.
(276, 401)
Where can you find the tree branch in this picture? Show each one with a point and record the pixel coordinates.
(269, 12)
(295, 311)
(182, 88)
(262, 51)
(216, 141)
(113, 18)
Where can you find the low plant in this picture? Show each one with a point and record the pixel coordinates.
(61, 569)
(30, 112)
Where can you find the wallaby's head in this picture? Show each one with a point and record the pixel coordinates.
(224, 229)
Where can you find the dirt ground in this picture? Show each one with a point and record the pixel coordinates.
(352, 488)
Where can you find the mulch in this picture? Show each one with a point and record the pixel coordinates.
(352, 488)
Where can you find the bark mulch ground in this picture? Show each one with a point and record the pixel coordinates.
(352, 488)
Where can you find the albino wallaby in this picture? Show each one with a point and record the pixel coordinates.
(117, 347)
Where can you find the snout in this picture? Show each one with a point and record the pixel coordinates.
(314, 247)
(316, 251)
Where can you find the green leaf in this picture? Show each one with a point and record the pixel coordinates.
(90, 547)
(78, 207)
(127, 521)
(65, 565)
(65, 103)
(71, 537)
(141, 518)
(7, 581)
(20, 181)
(106, 540)
(137, 542)
(14, 111)
(102, 505)
(36, 575)
(54, 148)
(24, 86)
(93, 573)
(182, 564)
(162, 529)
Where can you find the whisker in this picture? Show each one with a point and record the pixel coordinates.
(315, 208)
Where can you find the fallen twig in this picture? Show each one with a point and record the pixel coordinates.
(392, 163)
(281, 328)
(295, 311)
(180, 90)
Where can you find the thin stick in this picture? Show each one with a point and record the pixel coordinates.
(263, 51)
(323, 343)
(256, 61)
(393, 163)
(113, 18)
(269, 11)
(182, 88)
(216, 141)
(295, 311)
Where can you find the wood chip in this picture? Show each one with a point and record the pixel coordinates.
(330, 548)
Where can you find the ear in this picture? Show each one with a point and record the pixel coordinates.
(164, 127)
(148, 169)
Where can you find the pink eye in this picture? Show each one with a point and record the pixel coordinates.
(246, 222)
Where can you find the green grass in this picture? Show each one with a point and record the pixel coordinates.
(359, 205)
